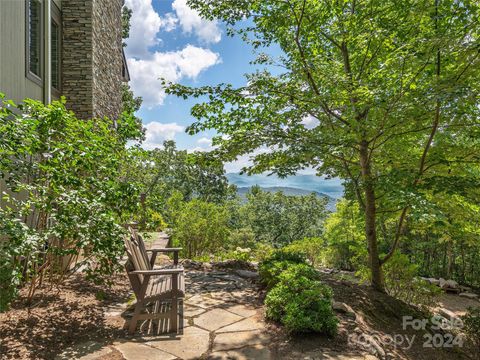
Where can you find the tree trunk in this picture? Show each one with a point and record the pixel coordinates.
(370, 219)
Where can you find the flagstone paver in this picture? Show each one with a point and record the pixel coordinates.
(257, 352)
(190, 311)
(191, 345)
(252, 323)
(236, 340)
(203, 301)
(216, 318)
(136, 351)
(242, 310)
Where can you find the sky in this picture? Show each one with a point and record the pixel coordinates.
(170, 40)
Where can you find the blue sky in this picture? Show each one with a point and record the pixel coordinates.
(168, 39)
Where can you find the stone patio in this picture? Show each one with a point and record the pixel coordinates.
(223, 320)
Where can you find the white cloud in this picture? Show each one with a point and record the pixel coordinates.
(173, 66)
(205, 141)
(156, 133)
(144, 26)
(191, 22)
(310, 122)
(245, 160)
(169, 22)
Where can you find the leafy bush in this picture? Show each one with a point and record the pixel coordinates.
(243, 237)
(199, 227)
(271, 268)
(401, 282)
(312, 248)
(471, 322)
(263, 251)
(61, 178)
(302, 303)
(242, 254)
(279, 219)
(344, 238)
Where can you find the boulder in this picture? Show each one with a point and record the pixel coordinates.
(343, 308)
(469, 295)
(190, 264)
(247, 274)
(448, 285)
(447, 314)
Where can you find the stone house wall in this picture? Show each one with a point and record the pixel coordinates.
(107, 58)
(92, 57)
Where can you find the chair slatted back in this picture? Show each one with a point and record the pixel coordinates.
(137, 240)
(137, 255)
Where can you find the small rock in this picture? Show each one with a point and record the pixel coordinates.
(432, 281)
(207, 266)
(469, 295)
(247, 274)
(464, 288)
(376, 348)
(446, 313)
(448, 285)
(327, 270)
(343, 308)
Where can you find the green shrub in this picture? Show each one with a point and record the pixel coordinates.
(312, 248)
(302, 303)
(271, 268)
(199, 227)
(401, 282)
(63, 195)
(263, 251)
(471, 322)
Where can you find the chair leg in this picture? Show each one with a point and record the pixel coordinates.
(174, 315)
(133, 321)
(180, 316)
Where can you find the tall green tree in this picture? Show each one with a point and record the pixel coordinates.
(279, 219)
(391, 88)
(162, 171)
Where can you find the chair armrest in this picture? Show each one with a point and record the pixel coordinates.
(158, 271)
(154, 252)
(165, 250)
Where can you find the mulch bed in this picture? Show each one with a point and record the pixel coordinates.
(60, 317)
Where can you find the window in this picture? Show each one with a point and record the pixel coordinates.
(34, 39)
(56, 47)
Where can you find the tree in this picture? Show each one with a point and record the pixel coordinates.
(63, 201)
(126, 16)
(279, 219)
(130, 103)
(391, 88)
(162, 171)
(199, 227)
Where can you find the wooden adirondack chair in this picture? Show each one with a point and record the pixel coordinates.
(159, 292)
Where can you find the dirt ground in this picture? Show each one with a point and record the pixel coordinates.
(58, 318)
(377, 315)
(75, 313)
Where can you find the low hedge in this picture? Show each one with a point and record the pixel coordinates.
(271, 268)
(297, 298)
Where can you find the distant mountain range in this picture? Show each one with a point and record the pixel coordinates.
(293, 185)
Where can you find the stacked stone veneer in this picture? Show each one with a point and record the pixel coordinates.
(92, 57)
